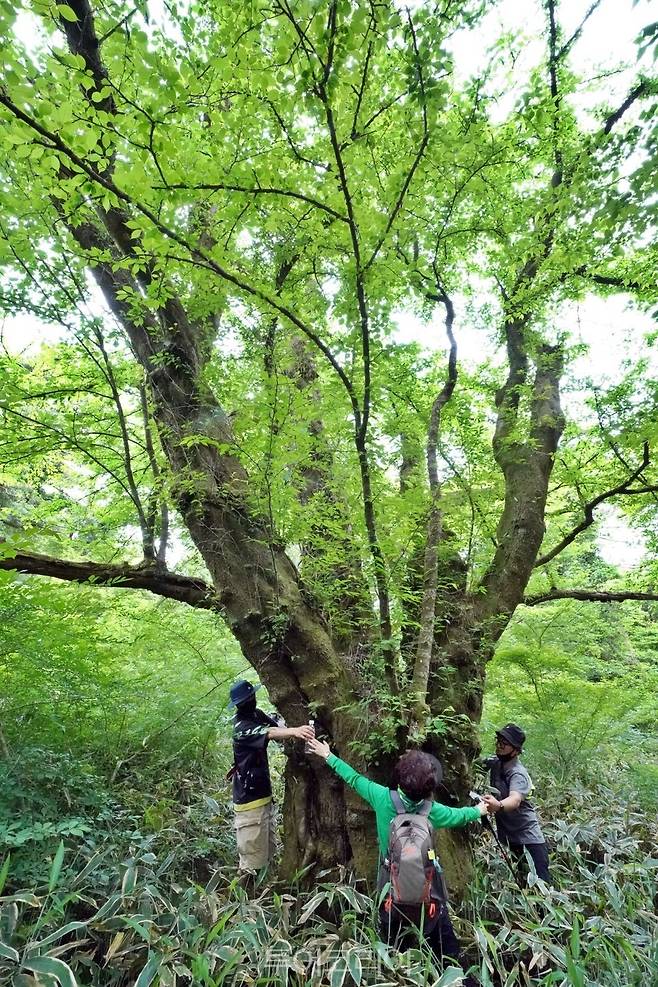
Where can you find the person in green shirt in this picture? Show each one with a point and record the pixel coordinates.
(416, 776)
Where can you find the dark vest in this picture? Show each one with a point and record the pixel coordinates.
(251, 780)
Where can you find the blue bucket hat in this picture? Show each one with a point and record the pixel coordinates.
(241, 692)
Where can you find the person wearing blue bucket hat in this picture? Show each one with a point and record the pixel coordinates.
(241, 692)
(252, 788)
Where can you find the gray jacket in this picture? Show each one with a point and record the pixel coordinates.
(520, 826)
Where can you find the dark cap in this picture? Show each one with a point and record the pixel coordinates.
(513, 734)
(241, 692)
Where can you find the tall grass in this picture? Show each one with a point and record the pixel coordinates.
(145, 918)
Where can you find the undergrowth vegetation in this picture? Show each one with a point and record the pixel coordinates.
(117, 856)
(130, 907)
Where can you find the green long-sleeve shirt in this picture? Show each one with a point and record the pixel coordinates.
(379, 797)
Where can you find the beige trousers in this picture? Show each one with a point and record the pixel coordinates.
(255, 832)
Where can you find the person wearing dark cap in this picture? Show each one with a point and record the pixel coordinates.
(252, 788)
(517, 824)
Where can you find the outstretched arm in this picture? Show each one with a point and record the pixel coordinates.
(513, 801)
(304, 732)
(446, 817)
(368, 790)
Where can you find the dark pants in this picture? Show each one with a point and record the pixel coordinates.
(438, 933)
(539, 854)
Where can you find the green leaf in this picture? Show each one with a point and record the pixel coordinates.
(9, 953)
(129, 878)
(350, 895)
(111, 907)
(453, 975)
(25, 897)
(383, 952)
(90, 866)
(9, 918)
(338, 972)
(149, 971)
(68, 13)
(4, 871)
(59, 934)
(56, 867)
(311, 906)
(354, 965)
(574, 939)
(132, 921)
(48, 965)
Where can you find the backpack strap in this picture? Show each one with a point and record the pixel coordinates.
(423, 810)
(398, 804)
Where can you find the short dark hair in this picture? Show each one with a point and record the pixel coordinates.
(416, 774)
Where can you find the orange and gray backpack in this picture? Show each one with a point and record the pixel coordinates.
(410, 869)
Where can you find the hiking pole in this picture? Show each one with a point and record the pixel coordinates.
(486, 822)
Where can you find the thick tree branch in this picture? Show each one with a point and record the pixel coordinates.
(642, 89)
(650, 488)
(257, 190)
(442, 397)
(157, 496)
(567, 46)
(590, 507)
(527, 464)
(587, 596)
(83, 41)
(184, 589)
(509, 395)
(546, 418)
(146, 527)
(417, 159)
(609, 281)
(425, 643)
(361, 420)
(526, 467)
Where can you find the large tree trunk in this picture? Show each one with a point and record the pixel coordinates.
(287, 643)
(281, 633)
